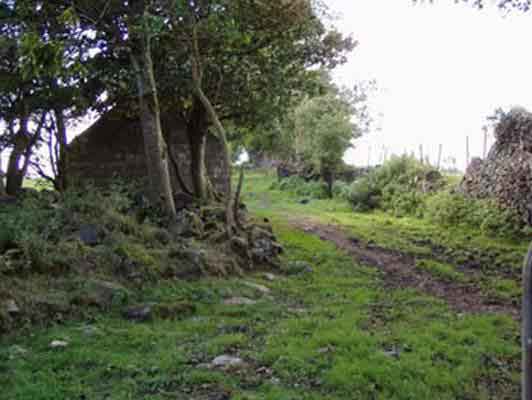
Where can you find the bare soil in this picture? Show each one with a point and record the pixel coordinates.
(399, 271)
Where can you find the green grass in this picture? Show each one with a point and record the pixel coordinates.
(330, 334)
(441, 270)
(333, 333)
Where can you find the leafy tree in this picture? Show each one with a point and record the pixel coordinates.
(323, 133)
(43, 50)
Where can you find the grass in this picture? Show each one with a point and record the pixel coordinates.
(333, 333)
(441, 270)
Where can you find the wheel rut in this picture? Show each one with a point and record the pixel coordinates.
(399, 271)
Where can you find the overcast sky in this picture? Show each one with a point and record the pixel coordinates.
(441, 70)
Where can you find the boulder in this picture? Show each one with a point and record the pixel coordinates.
(183, 200)
(89, 234)
(188, 224)
(138, 313)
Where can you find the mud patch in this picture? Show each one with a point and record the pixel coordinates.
(399, 271)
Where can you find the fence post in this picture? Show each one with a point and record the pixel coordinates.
(526, 329)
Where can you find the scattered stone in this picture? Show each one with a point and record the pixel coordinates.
(239, 301)
(89, 330)
(394, 353)
(183, 200)
(269, 277)
(89, 235)
(240, 246)
(264, 247)
(8, 200)
(16, 351)
(101, 294)
(188, 224)
(172, 311)
(297, 267)
(12, 308)
(261, 288)
(227, 361)
(139, 313)
(58, 344)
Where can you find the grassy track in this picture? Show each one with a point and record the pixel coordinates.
(336, 332)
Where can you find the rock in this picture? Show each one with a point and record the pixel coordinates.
(227, 361)
(183, 200)
(304, 201)
(213, 213)
(89, 234)
(269, 277)
(7, 200)
(190, 261)
(58, 344)
(138, 313)
(172, 311)
(297, 267)
(188, 224)
(239, 301)
(52, 305)
(262, 289)
(16, 351)
(90, 330)
(264, 248)
(12, 308)
(241, 247)
(101, 294)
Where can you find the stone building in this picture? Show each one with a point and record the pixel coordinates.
(113, 147)
(506, 173)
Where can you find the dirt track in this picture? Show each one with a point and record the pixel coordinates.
(399, 271)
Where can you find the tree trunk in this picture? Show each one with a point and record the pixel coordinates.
(160, 190)
(14, 173)
(526, 333)
(198, 142)
(62, 162)
(197, 127)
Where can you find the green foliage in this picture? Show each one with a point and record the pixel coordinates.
(323, 130)
(364, 194)
(448, 209)
(397, 186)
(300, 187)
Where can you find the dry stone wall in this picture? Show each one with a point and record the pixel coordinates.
(113, 147)
(506, 174)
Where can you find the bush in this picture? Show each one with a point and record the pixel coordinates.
(341, 189)
(300, 187)
(364, 195)
(450, 209)
(398, 186)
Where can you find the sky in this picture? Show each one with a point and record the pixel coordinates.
(441, 70)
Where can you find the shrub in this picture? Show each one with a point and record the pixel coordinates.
(298, 186)
(397, 186)
(341, 189)
(450, 209)
(364, 194)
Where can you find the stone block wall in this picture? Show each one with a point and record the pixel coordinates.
(113, 147)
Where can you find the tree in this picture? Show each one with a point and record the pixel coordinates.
(44, 62)
(141, 36)
(253, 57)
(323, 133)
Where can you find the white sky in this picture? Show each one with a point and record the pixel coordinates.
(441, 70)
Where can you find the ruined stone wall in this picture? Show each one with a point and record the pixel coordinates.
(113, 147)
(506, 174)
